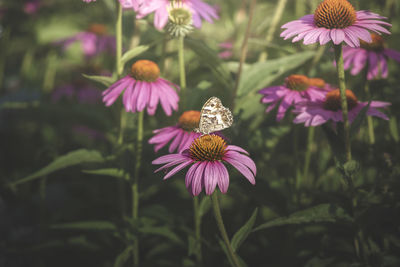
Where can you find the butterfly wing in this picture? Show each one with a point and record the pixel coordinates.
(214, 116)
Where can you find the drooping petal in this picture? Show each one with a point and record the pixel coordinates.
(210, 178)
(242, 169)
(223, 178)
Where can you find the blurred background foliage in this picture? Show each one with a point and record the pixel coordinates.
(73, 212)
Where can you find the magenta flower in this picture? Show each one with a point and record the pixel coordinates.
(134, 4)
(94, 41)
(199, 9)
(373, 55)
(182, 134)
(319, 111)
(32, 6)
(207, 155)
(336, 21)
(144, 88)
(227, 50)
(89, 1)
(297, 88)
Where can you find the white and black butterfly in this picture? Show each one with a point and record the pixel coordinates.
(214, 117)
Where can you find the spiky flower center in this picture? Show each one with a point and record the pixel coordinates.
(179, 20)
(335, 14)
(377, 44)
(97, 28)
(208, 148)
(297, 82)
(189, 120)
(145, 70)
(333, 102)
(317, 82)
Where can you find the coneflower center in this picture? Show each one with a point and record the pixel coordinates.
(145, 70)
(99, 29)
(317, 82)
(377, 44)
(297, 82)
(208, 148)
(189, 120)
(335, 14)
(333, 102)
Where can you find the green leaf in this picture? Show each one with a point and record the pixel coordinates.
(73, 158)
(356, 124)
(161, 231)
(323, 213)
(123, 257)
(87, 225)
(105, 80)
(113, 172)
(224, 248)
(134, 53)
(262, 74)
(241, 235)
(209, 57)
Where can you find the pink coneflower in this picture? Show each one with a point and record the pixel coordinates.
(89, 1)
(336, 21)
(182, 134)
(144, 88)
(134, 4)
(297, 88)
(373, 55)
(207, 155)
(319, 111)
(228, 50)
(199, 9)
(31, 7)
(94, 41)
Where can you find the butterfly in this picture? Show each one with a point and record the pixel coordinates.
(214, 117)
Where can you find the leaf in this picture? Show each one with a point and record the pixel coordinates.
(356, 124)
(162, 231)
(224, 248)
(134, 53)
(105, 80)
(241, 235)
(123, 257)
(393, 129)
(262, 74)
(322, 213)
(87, 225)
(72, 158)
(211, 59)
(113, 172)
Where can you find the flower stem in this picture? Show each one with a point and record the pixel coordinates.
(371, 134)
(310, 138)
(280, 7)
(118, 38)
(243, 52)
(197, 225)
(342, 88)
(182, 72)
(221, 226)
(135, 184)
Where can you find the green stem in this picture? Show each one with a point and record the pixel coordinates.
(197, 226)
(243, 52)
(182, 71)
(342, 87)
(221, 226)
(135, 184)
(118, 37)
(310, 138)
(371, 134)
(272, 27)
